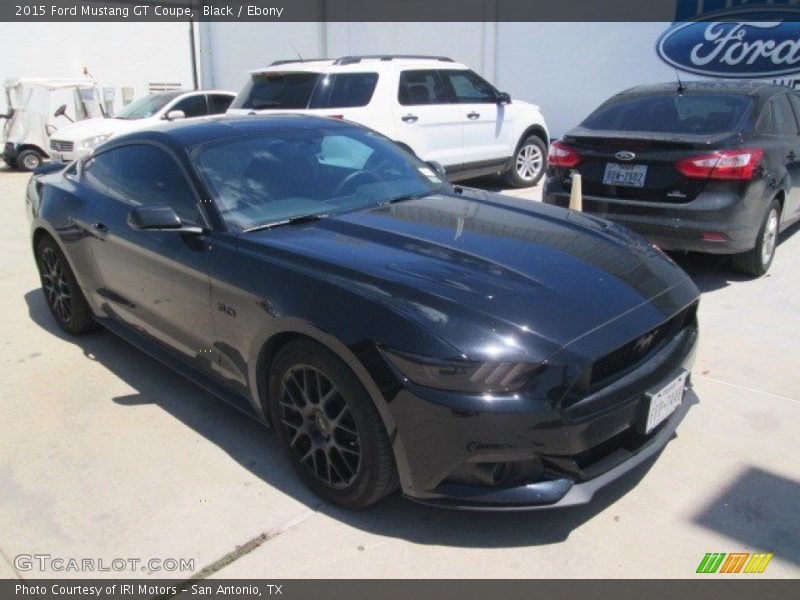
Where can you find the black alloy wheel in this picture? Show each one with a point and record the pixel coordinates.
(329, 426)
(321, 429)
(61, 290)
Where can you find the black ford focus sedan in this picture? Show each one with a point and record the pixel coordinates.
(701, 166)
(472, 349)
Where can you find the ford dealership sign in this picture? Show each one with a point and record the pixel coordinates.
(740, 44)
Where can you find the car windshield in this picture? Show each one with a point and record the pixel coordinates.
(146, 107)
(671, 113)
(269, 179)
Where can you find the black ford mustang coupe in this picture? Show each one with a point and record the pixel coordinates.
(475, 350)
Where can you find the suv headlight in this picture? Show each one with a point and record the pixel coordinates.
(463, 375)
(94, 141)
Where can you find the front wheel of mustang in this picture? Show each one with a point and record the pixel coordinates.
(329, 426)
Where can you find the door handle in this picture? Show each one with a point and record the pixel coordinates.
(473, 115)
(409, 118)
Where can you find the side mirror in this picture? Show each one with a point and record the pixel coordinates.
(159, 217)
(175, 114)
(60, 111)
(503, 98)
(437, 168)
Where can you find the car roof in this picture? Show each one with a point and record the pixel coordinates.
(184, 135)
(731, 86)
(357, 64)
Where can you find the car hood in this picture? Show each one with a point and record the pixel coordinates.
(491, 274)
(88, 128)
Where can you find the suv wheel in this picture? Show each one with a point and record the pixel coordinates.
(329, 427)
(28, 160)
(757, 261)
(528, 163)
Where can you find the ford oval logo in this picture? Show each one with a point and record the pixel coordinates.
(744, 43)
(625, 155)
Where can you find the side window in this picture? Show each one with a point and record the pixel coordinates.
(469, 87)
(422, 87)
(218, 103)
(344, 90)
(142, 174)
(784, 122)
(765, 122)
(795, 100)
(344, 151)
(193, 106)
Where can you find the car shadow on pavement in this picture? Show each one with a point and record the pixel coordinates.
(758, 509)
(253, 446)
(712, 272)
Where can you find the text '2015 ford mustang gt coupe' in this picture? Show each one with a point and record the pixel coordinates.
(475, 350)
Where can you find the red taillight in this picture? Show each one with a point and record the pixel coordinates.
(722, 164)
(563, 156)
(336, 116)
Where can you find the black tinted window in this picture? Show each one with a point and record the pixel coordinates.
(422, 87)
(142, 174)
(218, 103)
(468, 87)
(783, 118)
(765, 121)
(670, 113)
(277, 90)
(193, 106)
(344, 90)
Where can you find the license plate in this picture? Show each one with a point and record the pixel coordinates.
(664, 401)
(628, 175)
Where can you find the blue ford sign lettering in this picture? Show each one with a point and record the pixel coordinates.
(739, 44)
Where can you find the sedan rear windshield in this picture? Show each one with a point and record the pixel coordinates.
(299, 90)
(694, 114)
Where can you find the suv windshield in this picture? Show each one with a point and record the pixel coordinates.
(281, 175)
(147, 106)
(299, 90)
(671, 113)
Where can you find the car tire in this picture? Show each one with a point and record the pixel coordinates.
(61, 290)
(528, 163)
(28, 160)
(757, 261)
(329, 427)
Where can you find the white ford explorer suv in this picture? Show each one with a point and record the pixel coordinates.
(75, 140)
(439, 109)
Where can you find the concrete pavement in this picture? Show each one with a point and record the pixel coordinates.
(107, 454)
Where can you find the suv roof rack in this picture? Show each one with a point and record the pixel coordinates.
(288, 61)
(349, 60)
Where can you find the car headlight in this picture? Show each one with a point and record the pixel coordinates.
(463, 375)
(94, 141)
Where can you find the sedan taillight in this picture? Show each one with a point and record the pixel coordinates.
(722, 164)
(562, 155)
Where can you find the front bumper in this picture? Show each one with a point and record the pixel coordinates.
(734, 213)
(578, 445)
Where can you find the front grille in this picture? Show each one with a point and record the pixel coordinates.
(60, 146)
(636, 351)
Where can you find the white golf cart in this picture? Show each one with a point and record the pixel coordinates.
(29, 120)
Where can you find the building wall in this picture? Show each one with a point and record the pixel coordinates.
(116, 54)
(566, 68)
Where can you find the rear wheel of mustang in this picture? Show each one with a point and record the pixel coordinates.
(329, 427)
(757, 261)
(61, 291)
